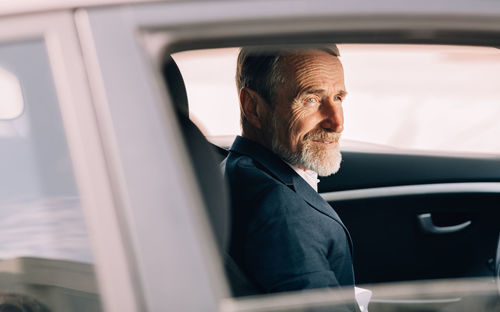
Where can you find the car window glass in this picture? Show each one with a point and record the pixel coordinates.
(433, 90)
(43, 237)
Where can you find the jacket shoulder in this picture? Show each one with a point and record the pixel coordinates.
(243, 169)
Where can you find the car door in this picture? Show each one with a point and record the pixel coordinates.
(173, 253)
(50, 172)
(418, 216)
(425, 197)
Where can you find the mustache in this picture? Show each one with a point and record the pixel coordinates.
(323, 135)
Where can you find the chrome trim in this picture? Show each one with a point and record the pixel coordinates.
(420, 189)
(428, 226)
(416, 301)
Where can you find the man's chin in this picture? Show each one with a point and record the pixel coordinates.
(324, 161)
(330, 167)
(324, 164)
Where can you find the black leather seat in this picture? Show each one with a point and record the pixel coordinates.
(205, 158)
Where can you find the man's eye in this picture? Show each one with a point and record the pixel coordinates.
(338, 98)
(311, 100)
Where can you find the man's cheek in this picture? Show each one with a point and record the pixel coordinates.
(295, 142)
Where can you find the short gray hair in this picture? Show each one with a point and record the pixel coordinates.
(258, 69)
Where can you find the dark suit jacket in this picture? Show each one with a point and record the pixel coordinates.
(285, 236)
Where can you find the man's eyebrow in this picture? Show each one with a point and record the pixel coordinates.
(314, 91)
(317, 91)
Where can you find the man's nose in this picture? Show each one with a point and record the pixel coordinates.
(333, 117)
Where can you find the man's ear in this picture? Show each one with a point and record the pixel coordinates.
(253, 107)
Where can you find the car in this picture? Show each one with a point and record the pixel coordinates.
(111, 198)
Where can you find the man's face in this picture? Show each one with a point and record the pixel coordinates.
(308, 118)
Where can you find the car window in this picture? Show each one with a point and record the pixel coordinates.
(445, 97)
(11, 96)
(410, 215)
(423, 98)
(44, 247)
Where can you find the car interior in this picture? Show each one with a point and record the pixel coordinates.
(406, 221)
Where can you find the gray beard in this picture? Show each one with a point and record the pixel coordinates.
(324, 161)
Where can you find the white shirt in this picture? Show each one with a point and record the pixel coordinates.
(311, 177)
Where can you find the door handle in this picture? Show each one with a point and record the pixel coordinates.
(426, 224)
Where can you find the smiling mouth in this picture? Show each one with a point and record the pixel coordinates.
(324, 142)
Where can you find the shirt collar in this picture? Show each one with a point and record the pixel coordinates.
(311, 177)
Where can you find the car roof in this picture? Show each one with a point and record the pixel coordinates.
(33, 6)
(475, 7)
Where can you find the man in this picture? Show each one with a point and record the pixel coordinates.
(284, 235)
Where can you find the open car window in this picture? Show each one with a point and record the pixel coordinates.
(445, 97)
(408, 103)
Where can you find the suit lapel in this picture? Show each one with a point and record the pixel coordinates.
(279, 169)
(313, 198)
(317, 202)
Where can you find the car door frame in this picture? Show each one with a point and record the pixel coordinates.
(98, 201)
(153, 233)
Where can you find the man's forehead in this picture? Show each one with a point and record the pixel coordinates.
(309, 60)
(311, 66)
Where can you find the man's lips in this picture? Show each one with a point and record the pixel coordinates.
(323, 138)
(327, 142)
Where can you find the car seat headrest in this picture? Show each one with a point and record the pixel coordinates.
(175, 84)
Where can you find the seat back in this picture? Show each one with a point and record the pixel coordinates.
(202, 156)
(205, 158)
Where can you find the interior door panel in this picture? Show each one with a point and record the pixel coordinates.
(390, 241)
(366, 170)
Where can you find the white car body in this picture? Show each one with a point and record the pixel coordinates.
(150, 236)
